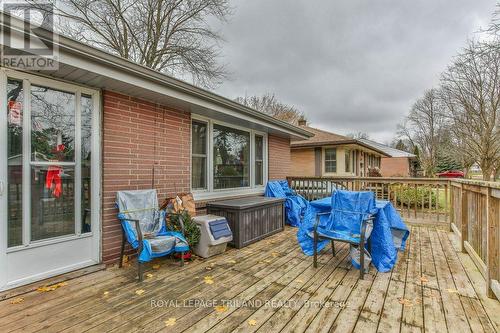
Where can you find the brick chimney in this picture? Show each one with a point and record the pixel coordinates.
(302, 121)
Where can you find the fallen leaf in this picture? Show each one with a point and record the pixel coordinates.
(452, 291)
(300, 281)
(209, 281)
(405, 302)
(125, 259)
(221, 308)
(156, 267)
(170, 322)
(208, 268)
(140, 292)
(424, 279)
(106, 293)
(17, 300)
(52, 287)
(231, 261)
(149, 275)
(252, 322)
(275, 254)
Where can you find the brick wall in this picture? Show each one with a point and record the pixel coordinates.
(395, 167)
(303, 162)
(279, 157)
(139, 137)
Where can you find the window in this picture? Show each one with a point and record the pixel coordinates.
(231, 158)
(348, 160)
(199, 155)
(330, 160)
(259, 160)
(226, 158)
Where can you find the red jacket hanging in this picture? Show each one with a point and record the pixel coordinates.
(53, 176)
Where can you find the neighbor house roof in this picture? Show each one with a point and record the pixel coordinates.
(392, 152)
(89, 66)
(325, 138)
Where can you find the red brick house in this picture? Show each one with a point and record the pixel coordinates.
(397, 163)
(328, 154)
(73, 136)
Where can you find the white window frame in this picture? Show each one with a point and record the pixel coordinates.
(210, 192)
(78, 90)
(336, 161)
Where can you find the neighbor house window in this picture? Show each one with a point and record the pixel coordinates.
(199, 155)
(330, 160)
(348, 161)
(259, 160)
(226, 158)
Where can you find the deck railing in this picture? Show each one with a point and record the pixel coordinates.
(470, 208)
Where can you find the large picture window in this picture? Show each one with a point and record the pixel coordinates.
(226, 158)
(330, 160)
(231, 156)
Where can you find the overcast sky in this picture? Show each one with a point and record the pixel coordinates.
(350, 65)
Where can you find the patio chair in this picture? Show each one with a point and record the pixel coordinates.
(295, 204)
(351, 221)
(144, 228)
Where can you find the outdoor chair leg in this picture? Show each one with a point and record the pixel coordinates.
(333, 248)
(315, 245)
(362, 262)
(140, 270)
(182, 259)
(122, 251)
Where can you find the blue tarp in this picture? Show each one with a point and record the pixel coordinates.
(388, 236)
(295, 205)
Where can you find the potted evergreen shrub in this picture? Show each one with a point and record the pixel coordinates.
(175, 220)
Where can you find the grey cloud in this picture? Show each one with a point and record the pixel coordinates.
(350, 65)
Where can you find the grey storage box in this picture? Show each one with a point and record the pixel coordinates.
(215, 234)
(251, 219)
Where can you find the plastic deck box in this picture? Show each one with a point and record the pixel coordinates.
(251, 219)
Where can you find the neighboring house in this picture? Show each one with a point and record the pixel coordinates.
(107, 124)
(398, 163)
(329, 154)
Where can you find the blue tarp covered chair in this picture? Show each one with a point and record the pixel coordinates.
(351, 221)
(144, 228)
(295, 205)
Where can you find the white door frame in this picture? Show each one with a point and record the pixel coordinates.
(65, 241)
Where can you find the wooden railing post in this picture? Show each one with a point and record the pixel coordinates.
(451, 210)
(493, 243)
(464, 230)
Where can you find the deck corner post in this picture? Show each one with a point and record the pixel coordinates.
(493, 244)
(464, 218)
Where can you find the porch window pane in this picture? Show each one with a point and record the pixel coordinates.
(348, 160)
(259, 160)
(331, 160)
(86, 124)
(52, 201)
(15, 103)
(231, 157)
(52, 125)
(199, 155)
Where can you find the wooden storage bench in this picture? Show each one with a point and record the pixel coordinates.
(251, 219)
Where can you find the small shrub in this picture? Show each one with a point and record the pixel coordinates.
(409, 196)
(191, 230)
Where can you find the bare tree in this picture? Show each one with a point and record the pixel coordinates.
(471, 92)
(358, 135)
(171, 36)
(268, 103)
(423, 128)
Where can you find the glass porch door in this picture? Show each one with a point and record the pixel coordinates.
(50, 144)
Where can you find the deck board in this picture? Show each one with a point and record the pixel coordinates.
(433, 288)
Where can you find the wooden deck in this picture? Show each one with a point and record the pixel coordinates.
(271, 286)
